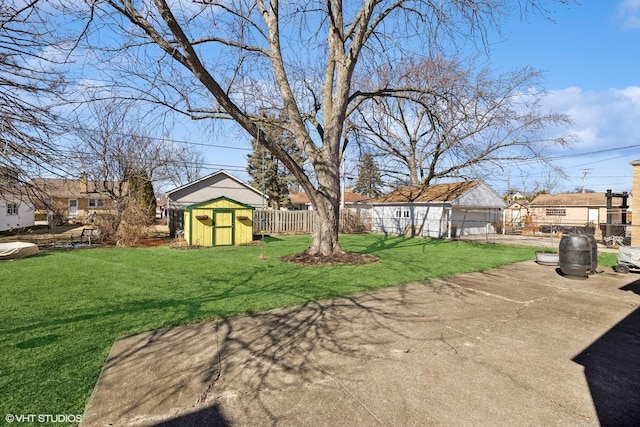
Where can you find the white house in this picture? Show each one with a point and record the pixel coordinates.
(216, 185)
(438, 210)
(15, 212)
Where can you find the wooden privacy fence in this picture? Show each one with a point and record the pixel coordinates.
(274, 222)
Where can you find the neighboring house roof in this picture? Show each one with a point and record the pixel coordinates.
(430, 193)
(573, 199)
(214, 175)
(218, 184)
(468, 194)
(70, 188)
(301, 198)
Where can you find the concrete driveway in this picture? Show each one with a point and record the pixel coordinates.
(548, 241)
(519, 345)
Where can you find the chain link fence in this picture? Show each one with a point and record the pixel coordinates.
(610, 234)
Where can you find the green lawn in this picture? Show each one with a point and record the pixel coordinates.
(61, 311)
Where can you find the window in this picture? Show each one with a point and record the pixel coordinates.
(401, 213)
(556, 212)
(12, 208)
(96, 203)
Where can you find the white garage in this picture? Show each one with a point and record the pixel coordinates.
(438, 210)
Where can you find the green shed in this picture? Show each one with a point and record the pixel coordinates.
(218, 222)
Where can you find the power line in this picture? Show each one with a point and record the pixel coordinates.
(177, 141)
(586, 153)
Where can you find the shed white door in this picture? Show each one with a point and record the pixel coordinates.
(594, 216)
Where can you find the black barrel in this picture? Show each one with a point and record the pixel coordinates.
(594, 253)
(575, 255)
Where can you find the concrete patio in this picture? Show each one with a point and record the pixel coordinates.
(519, 345)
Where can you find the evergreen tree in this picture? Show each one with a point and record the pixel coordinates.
(269, 174)
(369, 182)
(142, 195)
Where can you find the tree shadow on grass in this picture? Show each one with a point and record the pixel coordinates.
(387, 242)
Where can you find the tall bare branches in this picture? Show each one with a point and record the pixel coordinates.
(29, 84)
(447, 119)
(297, 59)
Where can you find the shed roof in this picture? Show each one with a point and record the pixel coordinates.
(431, 193)
(217, 199)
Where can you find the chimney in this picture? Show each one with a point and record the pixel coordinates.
(635, 204)
(84, 187)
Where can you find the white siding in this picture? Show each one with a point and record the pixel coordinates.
(435, 221)
(427, 220)
(385, 219)
(24, 218)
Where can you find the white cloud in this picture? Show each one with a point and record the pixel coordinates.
(628, 12)
(602, 119)
(632, 93)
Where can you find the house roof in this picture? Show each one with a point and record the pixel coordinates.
(220, 172)
(518, 204)
(573, 199)
(301, 198)
(69, 188)
(430, 193)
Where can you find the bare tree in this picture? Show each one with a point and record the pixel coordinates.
(213, 59)
(453, 122)
(119, 157)
(29, 84)
(186, 165)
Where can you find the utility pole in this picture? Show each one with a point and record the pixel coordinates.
(584, 179)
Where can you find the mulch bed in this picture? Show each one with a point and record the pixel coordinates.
(344, 258)
(154, 241)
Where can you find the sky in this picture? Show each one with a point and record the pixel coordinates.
(590, 54)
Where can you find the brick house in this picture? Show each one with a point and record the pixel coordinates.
(577, 209)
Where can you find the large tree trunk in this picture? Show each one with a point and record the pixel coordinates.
(326, 204)
(325, 233)
(413, 170)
